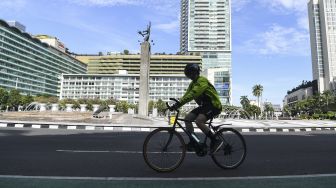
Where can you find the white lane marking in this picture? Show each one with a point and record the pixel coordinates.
(107, 151)
(18, 125)
(145, 129)
(71, 127)
(3, 125)
(127, 129)
(167, 179)
(108, 128)
(89, 128)
(260, 130)
(97, 151)
(36, 126)
(53, 126)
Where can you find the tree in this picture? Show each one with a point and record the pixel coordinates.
(327, 96)
(26, 100)
(269, 109)
(244, 101)
(126, 52)
(161, 106)
(287, 110)
(253, 110)
(257, 92)
(111, 101)
(122, 106)
(46, 99)
(150, 105)
(14, 99)
(4, 95)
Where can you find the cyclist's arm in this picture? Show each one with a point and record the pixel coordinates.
(192, 93)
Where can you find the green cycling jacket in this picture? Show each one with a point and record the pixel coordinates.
(203, 92)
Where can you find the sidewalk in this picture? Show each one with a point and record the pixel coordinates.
(127, 122)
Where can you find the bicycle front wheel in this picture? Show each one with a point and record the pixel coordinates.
(164, 149)
(233, 151)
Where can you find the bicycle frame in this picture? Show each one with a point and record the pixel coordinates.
(176, 122)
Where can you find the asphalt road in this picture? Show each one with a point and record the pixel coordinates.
(71, 153)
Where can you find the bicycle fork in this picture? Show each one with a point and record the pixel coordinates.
(169, 140)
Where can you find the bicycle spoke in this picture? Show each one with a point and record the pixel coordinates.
(233, 151)
(163, 151)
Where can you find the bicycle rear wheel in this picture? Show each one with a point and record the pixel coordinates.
(164, 149)
(233, 151)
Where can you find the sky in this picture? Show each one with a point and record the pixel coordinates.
(270, 38)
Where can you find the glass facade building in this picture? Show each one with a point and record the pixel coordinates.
(31, 66)
(206, 30)
(322, 25)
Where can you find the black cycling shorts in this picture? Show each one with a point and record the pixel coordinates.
(208, 111)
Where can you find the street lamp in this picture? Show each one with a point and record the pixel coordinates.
(16, 82)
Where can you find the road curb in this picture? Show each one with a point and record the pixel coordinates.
(123, 128)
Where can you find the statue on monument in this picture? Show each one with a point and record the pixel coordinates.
(146, 33)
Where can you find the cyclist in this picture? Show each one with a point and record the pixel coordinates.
(206, 96)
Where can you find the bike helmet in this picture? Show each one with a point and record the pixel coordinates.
(192, 70)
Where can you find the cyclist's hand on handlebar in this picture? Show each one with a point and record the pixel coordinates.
(175, 106)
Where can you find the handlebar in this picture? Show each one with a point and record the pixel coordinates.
(173, 99)
(170, 107)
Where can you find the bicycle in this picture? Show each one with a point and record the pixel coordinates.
(164, 148)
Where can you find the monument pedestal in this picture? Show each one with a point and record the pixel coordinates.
(144, 79)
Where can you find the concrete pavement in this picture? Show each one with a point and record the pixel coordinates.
(127, 122)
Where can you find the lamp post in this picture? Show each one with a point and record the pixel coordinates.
(16, 82)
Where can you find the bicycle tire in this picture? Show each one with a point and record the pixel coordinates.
(154, 154)
(233, 151)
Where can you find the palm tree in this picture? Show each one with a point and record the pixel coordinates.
(326, 96)
(269, 109)
(257, 92)
(244, 101)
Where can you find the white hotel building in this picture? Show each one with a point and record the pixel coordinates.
(122, 86)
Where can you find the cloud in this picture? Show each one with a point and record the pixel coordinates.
(157, 4)
(278, 40)
(170, 27)
(296, 7)
(286, 5)
(106, 2)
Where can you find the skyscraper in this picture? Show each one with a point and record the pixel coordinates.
(206, 29)
(322, 25)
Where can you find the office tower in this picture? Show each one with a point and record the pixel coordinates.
(322, 25)
(206, 30)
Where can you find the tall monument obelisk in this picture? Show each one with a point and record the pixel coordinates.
(144, 72)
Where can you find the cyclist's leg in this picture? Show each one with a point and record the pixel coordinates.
(200, 122)
(190, 117)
